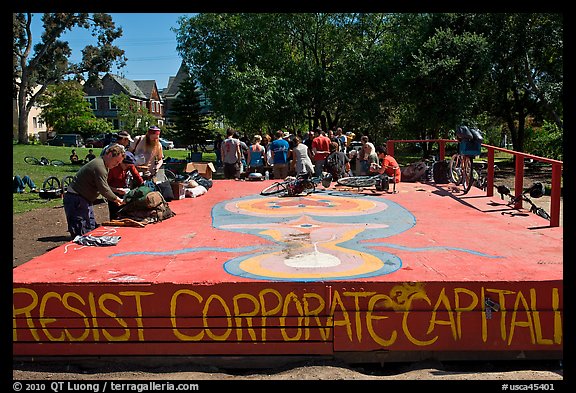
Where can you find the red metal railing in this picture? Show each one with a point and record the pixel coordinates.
(555, 191)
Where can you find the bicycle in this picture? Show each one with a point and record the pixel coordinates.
(380, 181)
(461, 171)
(52, 187)
(42, 161)
(535, 191)
(294, 186)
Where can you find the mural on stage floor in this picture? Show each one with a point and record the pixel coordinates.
(322, 236)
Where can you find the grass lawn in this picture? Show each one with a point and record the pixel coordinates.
(39, 173)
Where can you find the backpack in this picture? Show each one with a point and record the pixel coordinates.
(334, 166)
(413, 172)
(440, 172)
(152, 207)
(201, 180)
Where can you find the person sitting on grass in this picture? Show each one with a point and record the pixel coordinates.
(74, 159)
(20, 183)
(90, 156)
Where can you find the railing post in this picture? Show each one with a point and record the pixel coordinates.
(441, 150)
(390, 148)
(555, 194)
(519, 180)
(490, 174)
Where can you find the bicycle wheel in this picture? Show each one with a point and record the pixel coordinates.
(66, 181)
(467, 173)
(31, 160)
(57, 162)
(357, 181)
(455, 169)
(276, 188)
(51, 183)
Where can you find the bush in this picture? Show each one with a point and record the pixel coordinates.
(546, 142)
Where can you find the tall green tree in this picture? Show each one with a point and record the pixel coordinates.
(526, 75)
(46, 62)
(191, 123)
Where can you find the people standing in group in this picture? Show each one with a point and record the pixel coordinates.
(148, 152)
(256, 156)
(231, 156)
(19, 184)
(301, 158)
(121, 179)
(320, 150)
(366, 156)
(90, 182)
(388, 164)
(279, 148)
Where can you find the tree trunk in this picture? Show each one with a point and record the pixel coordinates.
(23, 112)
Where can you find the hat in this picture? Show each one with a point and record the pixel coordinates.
(124, 134)
(129, 158)
(154, 130)
(286, 134)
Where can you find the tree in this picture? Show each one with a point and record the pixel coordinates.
(190, 123)
(132, 117)
(48, 63)
(526, 75)
(63, 102)
(65, 110)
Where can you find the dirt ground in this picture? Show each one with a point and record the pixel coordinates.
(36, 232)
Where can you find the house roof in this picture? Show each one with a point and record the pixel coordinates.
(174, 82)
(146, 86)
(130, 86)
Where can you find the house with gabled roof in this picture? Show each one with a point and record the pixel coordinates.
(170, 93)
(142, 93)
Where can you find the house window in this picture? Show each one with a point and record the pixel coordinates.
(111, 104)
(35, 121)
(92, 101)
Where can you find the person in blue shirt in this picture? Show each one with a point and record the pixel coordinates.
(256, 156)
(280, 148)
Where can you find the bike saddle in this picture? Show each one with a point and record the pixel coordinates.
(537, 190)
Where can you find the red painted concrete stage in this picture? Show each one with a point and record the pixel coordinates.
(337, 272)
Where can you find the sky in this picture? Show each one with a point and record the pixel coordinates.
(147, 40)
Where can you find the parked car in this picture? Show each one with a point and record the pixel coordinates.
(166, 144)
(71, 140)
(100, 140)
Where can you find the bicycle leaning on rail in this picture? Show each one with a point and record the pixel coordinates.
(535, 191)
(295, 186)
(461, 168)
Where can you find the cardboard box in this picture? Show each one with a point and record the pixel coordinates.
(179, 190)
(205, 169)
